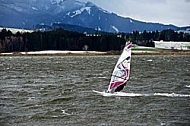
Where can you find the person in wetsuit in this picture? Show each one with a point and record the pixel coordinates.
(120, 87)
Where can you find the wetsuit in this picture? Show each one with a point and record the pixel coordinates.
(120, 88)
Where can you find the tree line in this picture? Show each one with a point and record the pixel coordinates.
(60, 39)
(145, 38)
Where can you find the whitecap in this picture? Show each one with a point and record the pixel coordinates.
(31, 98)
(171, 95)
(188, 86)
(150, 60)
(64, 112)
(54, 116)
(102, 77)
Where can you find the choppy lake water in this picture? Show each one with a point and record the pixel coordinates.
(55, 90)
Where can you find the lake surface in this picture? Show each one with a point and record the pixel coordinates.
(56, 90)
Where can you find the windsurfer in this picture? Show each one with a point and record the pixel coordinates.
(121, 72)
(119, 88)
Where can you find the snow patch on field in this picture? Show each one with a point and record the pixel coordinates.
(55, 52)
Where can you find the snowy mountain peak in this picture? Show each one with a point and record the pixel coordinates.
(80, 11)
(86, 8)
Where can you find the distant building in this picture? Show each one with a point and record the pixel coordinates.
(172, 45)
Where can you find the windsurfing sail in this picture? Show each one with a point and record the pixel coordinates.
(121, 71)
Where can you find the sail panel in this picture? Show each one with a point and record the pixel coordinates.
(121, 71)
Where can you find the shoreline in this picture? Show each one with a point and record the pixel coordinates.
(93, 53)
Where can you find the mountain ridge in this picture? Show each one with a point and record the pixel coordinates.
(27, 14)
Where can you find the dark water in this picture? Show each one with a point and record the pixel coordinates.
(44, 91)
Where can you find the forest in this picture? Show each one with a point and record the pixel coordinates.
(61, 39)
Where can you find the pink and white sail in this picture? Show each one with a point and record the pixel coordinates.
(121, 71)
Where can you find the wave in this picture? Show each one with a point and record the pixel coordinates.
(65, 113)
(171, 95)
(188, 86)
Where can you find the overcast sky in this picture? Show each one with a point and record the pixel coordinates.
(176, 12)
